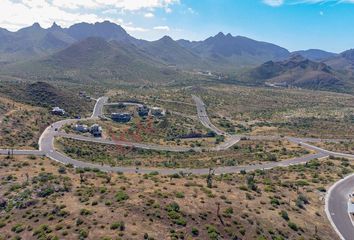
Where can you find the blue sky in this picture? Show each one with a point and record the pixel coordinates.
(294, 24)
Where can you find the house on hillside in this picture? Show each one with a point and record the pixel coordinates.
(96, 130)
(81, 128)
(158, 112)
(121, 117)
(143, 111)
(58, 111)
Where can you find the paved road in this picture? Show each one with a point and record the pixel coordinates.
(203, 116)
(230, 140)
(337, 197)
(21, 152)
(98, 109)
(337, 207)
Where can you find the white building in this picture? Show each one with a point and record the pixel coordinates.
(58, 111)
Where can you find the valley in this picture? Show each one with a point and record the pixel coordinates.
(107, 136)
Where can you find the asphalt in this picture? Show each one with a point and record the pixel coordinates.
(336, 199)
(203, 116)
(21, 152)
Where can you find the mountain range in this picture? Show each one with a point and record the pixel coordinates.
(106, 52)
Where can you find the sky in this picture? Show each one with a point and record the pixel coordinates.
(293, 24)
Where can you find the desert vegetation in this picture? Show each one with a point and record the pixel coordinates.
(246, 152)
(41, 199)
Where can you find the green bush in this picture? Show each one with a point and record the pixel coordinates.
(195, 232)
(18, 228)
(118, 225)
(293, 226)
(284, 215)
(121, 196)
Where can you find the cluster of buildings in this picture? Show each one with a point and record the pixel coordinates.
(95, 129)
(123, 117)
(143, 111)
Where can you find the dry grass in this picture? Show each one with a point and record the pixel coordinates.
(262, 205)
(245, 152)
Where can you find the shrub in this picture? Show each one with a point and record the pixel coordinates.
(2, 224)
(118, 225)
(62, 170)
(83, 234)
(293, 226)
(301, 201)
(18, 228)
(212, 232)
(229, 211)
(85, 212)
(179, 195)
(195, 232)
(121, 196)
(284, 215)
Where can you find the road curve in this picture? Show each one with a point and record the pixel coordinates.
(337, 197)
(336, 206)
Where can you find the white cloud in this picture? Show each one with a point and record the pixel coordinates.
(191, 10)
(162, 28)
(133, 5)
(134, 29)
(69, 4)
(149, 15)
(274, 3)
(16, 14)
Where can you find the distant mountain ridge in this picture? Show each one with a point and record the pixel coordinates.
(343, 61)
(301, 72)
(96, 60)
(224, 52)
(105, 52)
(315, 54)
(35, 41)
(235, 51)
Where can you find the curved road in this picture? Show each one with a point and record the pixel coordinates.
(336, 206)
(336, 199)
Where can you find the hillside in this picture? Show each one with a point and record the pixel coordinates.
(32, 42)
(315, 54)
(35, 41)
(342, 62)
(218, 53)
(105, 53)
(298, 72)
(106, 30)
(45, 95)
(96, 60)
(229, 52)
(170, 52)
